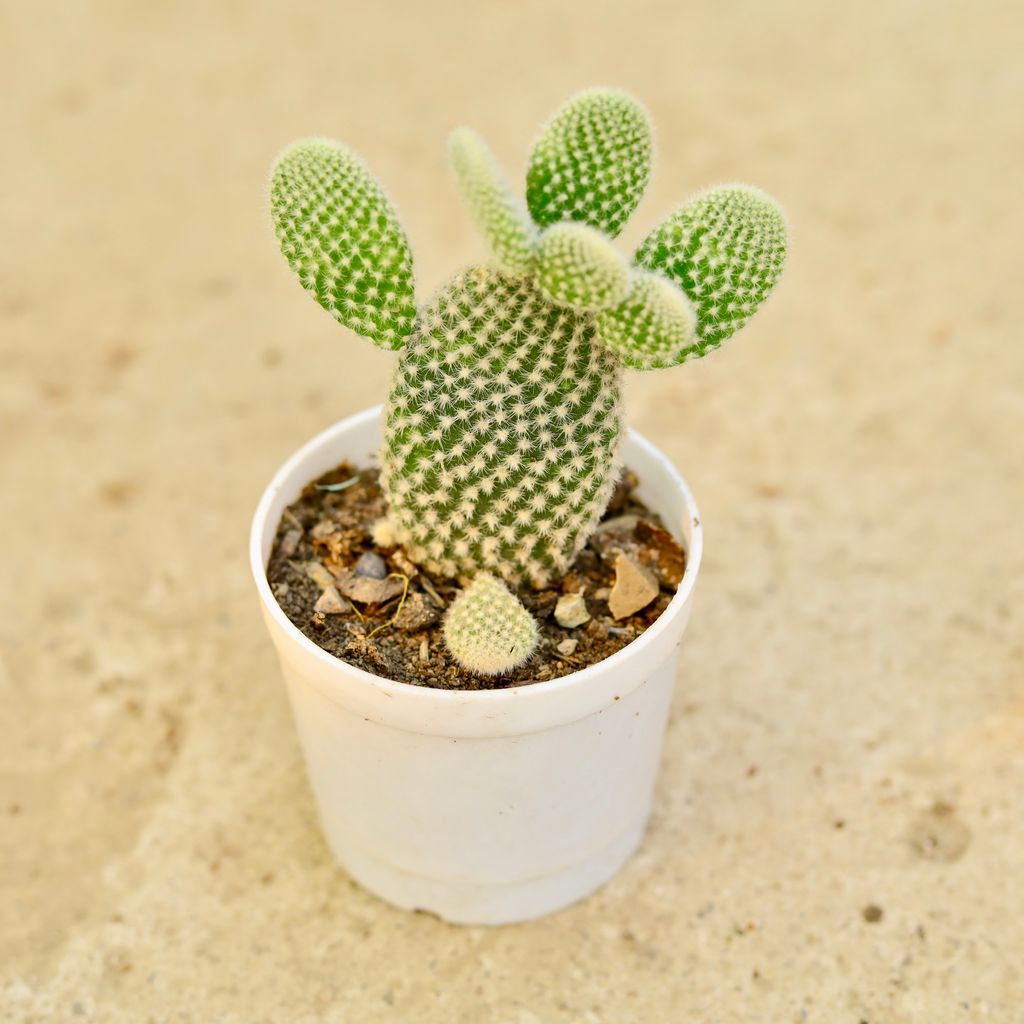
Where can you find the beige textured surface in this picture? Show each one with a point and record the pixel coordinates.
(856, 653)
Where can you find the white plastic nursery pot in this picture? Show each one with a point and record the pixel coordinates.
(482, 806)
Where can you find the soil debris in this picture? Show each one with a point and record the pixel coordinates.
(330, 546)
(615, 535)
(669, 561)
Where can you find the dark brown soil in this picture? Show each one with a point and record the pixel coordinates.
(324, 533)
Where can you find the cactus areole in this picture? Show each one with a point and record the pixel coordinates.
(503, 420)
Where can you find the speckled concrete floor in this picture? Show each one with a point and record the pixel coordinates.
(856, 656)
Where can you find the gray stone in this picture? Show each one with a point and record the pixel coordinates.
(371, 565)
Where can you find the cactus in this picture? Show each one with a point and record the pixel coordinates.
(487, 630)
(501, 431)
(503, 420)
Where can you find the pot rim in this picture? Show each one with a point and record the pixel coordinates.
(519, 691)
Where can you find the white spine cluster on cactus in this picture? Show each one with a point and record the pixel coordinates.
(487, 630)
(579, 267)
(502, 431)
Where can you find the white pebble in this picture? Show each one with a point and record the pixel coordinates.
(571, 611)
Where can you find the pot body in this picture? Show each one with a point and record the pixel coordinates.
(484, 806)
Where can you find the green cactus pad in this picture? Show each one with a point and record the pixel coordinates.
(578, 267)
(500, 215)
(487, 629)
(500, 445)
(725, 248)
(339, 233)
(653, 327)
(591, 162)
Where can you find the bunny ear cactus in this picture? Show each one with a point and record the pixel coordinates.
(503, 420)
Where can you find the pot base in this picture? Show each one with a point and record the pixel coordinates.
(465, 903)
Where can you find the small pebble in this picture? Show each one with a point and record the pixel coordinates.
(635, 587)
(330, 602)
(418, 612)
(290, 543)
(571, 611)
(367, 590)
(324, 529)
(567, 646)
(318, 573)
(371, 565)
(601, 594)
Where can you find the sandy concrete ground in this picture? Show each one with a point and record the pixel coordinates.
(856, 655)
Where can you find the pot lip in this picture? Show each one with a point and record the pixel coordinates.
(518, 692)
